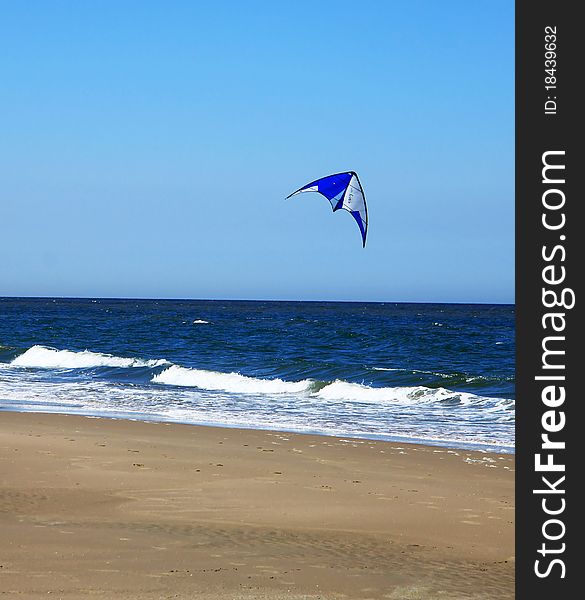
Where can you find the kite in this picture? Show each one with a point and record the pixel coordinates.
(343, 190)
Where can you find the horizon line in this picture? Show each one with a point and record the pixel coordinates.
(178, 299)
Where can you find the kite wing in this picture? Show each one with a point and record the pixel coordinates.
(343, 190)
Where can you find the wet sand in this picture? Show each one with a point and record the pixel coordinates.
(101, 508)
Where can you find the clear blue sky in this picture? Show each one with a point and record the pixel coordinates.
(147, 147)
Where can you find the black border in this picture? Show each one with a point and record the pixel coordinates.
(537, 133)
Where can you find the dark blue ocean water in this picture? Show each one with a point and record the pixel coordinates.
(433, 373)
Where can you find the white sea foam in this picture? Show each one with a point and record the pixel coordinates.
(228, 382)
(200, 322)
(340, 391)
(355, 392)
(49, 358)
(235, 383)
(340, 408)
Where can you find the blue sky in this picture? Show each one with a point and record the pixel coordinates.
(147, 147)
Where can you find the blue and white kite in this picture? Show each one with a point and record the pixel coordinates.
(343, 190)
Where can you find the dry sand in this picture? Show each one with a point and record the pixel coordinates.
(99, 508)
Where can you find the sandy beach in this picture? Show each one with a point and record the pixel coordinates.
(100, 508)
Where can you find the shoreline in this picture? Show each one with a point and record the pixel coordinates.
(140, 509)
(431, 442)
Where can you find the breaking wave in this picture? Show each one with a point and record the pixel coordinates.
(41, 357)
(336, 391)
(228, 382)
(85, 382)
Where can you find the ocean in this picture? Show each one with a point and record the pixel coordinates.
(440, 374)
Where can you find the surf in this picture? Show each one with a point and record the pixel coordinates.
(42, 357)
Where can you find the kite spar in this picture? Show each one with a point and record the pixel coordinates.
(343, 190)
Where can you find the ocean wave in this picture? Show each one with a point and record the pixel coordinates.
(356, 392)
(336, 391)
(228, 382)
(310, 390)
(42, 357)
